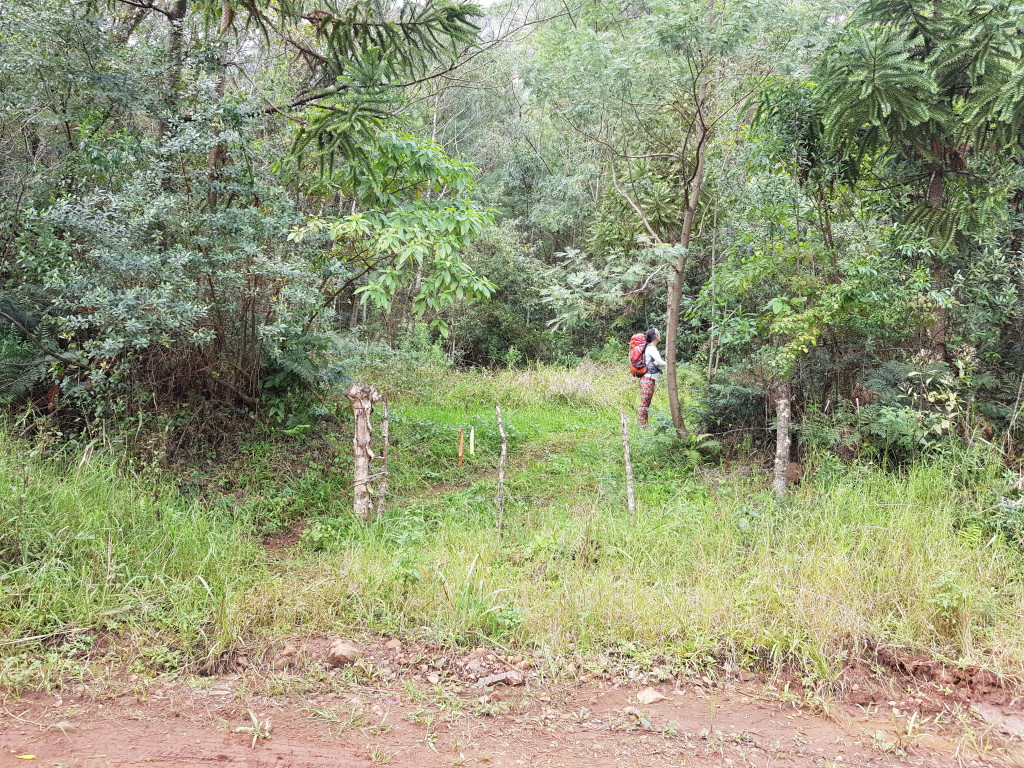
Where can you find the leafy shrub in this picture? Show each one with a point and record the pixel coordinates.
(731, 402)
(615, 351)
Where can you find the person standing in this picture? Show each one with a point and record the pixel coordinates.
(654, 363)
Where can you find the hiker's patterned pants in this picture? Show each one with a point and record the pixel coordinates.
(646, 395)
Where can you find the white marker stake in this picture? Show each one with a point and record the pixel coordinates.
(472, 440)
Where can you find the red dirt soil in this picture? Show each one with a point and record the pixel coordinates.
(414, 708)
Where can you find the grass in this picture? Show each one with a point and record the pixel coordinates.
(711, 569)
(86, 549)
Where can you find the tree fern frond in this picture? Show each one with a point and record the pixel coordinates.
(871, 80)
(942, 225)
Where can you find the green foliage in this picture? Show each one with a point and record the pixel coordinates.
(90, 547)
(22, 368)
(368, 49)
(731, 402)
(147, 209)
(872, 80)
(409, 243)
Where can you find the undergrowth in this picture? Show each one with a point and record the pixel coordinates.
(88, 551)
(710, 569)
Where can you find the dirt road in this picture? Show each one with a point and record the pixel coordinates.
(312, 717)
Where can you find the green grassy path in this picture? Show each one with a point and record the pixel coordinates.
(706, 572)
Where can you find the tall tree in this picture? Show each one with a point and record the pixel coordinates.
(922, 93)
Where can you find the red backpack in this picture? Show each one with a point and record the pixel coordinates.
(637, 347)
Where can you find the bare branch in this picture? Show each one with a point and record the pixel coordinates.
(635, 206)
(148, 6)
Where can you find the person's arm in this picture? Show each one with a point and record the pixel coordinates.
(656, 356)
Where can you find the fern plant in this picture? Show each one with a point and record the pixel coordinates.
(22, 369)
(28, 350)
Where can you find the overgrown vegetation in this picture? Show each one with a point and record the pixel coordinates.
(215, 214)
(711, 569)
(93, 555)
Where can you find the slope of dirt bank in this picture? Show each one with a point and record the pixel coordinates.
(428, 714)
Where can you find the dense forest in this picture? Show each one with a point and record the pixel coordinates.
(238, 203)
(218, 216)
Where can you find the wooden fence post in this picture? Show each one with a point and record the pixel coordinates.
(782, 439)
(630, 496)
(362, 397)
(501, 468)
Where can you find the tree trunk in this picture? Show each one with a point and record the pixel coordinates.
(675, 295)
(218, 153)
(362, 397)
(782, 438)
(936, 193)
(175, 64)
(175, 57)
(936, 196)
(937, 350)
(501, 469)
(354, 318)
(385, 441)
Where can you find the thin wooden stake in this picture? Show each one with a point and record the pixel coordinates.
(783, 393)
(460, 447)
(630, 496)
(383, 488)
(472, 440)
(501, 468)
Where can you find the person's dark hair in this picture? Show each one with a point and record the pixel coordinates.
(652, 334)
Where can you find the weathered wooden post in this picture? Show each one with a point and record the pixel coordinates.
(362, 397)
(783, 412)
(501, 468)
(630, 496)
(384, 435)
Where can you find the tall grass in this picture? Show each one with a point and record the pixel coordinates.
(858, 558)
(85, 546)
(711, 568)
(863, 561)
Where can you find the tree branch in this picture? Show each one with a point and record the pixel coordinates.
(148, 6)
(34, 340)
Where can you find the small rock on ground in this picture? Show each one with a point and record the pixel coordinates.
(341, 653)
(650, 696)
(512, 677)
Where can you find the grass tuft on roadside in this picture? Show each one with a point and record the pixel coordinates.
(87, 549)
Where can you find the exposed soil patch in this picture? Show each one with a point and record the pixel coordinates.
(970, 684)
(424, 706)
(277, 544)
